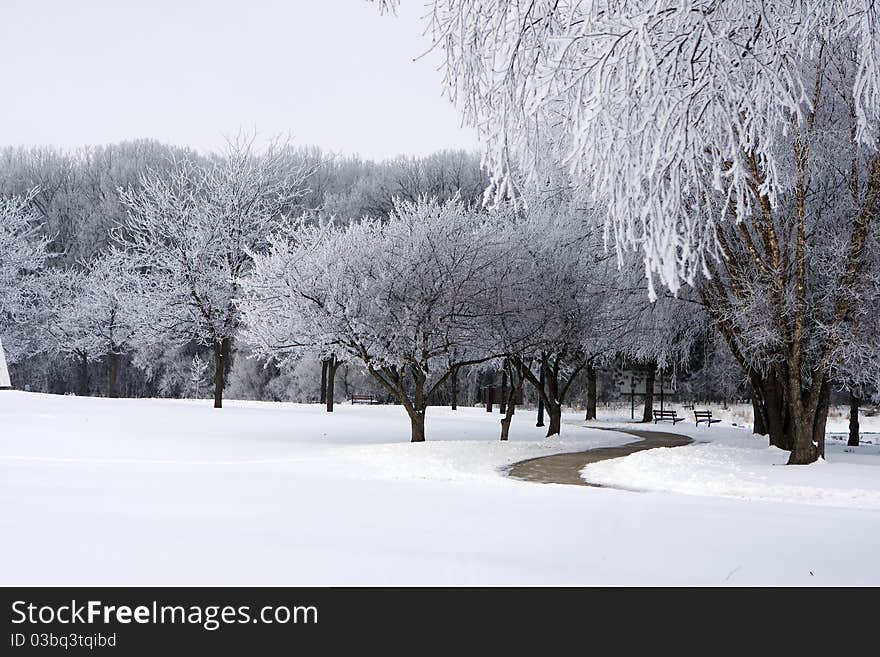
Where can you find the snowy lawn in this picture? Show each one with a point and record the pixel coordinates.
(728, 460)
(100, 491)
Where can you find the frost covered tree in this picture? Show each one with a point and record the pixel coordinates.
(74, 192)
(193, 231)
(403, 296)
(63, 323)
(735, 144)
(555, 317)
(93, 313)
(22, 254)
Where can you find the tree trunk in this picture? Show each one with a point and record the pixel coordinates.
(502, 407)
(821, 418)
(759, 425)
(853, 420)
(323, 397)
(553, 402)
(787, 417)
(554, 412)
(591, 393)
(83, 374)
(454, 385)
(516, 384)
(773, 400)
(508, 415)
(332, 366)
(648, 415)
(417, 421)
(541, 401)
(221, 355)
(808, 429)
(804, 451)
(114, 366)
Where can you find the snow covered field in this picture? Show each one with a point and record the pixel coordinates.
(102, 491)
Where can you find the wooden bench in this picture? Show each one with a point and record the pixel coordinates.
(704, 416)
(688, 406)
(363, 399)
(670, 416)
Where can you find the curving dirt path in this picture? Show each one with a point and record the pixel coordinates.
(566, 468)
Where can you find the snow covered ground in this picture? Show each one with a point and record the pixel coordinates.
(125, 492)
(728, 460)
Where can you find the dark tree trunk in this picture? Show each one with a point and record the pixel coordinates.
(83, 374)
(591, 393)
(541, 401)
(553, 401)
(417, 421)
(648, 414)
(759, 425)
(804, 452)
(508, 414)
(775, 412)
(454, 386)
(853, 420)
(554, 412)
(807, 427)
(502, 407)
(324, 364)
(821, 418)
(332, 366)
(221, 358)
(788, 417)
(114, 366)
(516, 383)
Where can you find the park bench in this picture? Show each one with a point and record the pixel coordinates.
(670, 416)
(688, 406)
(704, 416)
(363, 399)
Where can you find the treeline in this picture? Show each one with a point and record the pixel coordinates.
(74, 204)
(286, 273)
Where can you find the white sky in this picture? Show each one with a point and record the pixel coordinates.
(333, 73)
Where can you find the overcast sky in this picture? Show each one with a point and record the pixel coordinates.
(330, 72)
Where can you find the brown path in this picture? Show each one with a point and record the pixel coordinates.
(566, 468)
